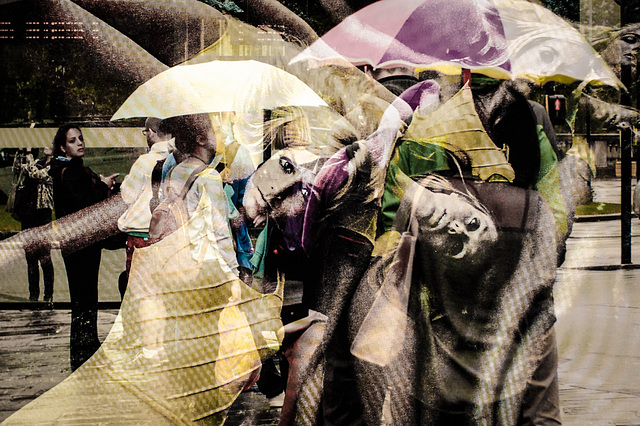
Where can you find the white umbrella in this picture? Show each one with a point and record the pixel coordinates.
(215, 87)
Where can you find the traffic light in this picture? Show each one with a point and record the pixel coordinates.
(557, 109)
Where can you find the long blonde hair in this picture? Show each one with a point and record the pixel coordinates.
(288, 127)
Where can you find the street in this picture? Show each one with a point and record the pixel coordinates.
(598, 331)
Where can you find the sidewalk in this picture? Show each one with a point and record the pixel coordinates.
(598, 328)
(598, 333)
(34, 357)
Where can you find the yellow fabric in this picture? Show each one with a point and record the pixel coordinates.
(548, 184)
(456, 127)
(212, 328)
(237, 353)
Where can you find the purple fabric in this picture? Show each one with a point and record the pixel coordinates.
(293, 228)
(332, 175)
(336, 170)
(466, 32)
(423, 93)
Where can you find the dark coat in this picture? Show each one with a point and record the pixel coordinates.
(75, 186)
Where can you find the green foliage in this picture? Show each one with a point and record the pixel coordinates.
(7, 223)
(47, 82)
(595, 208)
(313, 12)
(568, 9)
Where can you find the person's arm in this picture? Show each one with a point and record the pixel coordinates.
(219, 217)
(135, 182)
(81, 188)
(36, 170)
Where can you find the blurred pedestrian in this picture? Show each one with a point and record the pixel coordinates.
(205, 197)
(139, 190)
(76, 187)
(195, 137)
(238, 168)
(33, 205)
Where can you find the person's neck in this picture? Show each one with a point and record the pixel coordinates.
(74, 159)
(197, 159)
(201, 155)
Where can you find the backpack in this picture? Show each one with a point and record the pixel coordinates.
(171, 213)
(25, 199)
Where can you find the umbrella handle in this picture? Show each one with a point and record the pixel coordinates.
(466, 76)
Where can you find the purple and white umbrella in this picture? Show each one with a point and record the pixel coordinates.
(498, 38)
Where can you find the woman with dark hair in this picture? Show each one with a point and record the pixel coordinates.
(75, 187)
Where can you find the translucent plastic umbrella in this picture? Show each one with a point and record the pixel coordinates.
(499, 38)
(217, 86)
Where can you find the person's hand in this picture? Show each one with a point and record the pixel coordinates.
(110, 180)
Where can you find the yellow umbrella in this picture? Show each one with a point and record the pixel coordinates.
(217, 86)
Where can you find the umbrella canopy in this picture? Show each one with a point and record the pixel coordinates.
(499, 38)
(216, 87)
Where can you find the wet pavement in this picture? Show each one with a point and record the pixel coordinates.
(34, 357)
(598, 331)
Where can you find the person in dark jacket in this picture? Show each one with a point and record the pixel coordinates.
(35, 211)
(75, 187)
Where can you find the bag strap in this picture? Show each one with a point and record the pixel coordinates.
(156, 181)
(189, 183)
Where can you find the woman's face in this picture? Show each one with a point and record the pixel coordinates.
(453, 228)
(74, 145)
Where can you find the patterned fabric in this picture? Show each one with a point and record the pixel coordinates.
(32, 169)
(212, 328)
(456, 127)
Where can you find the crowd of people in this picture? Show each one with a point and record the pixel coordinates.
(424, 221)
(470, 343)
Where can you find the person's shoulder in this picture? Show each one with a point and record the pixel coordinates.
(148, 160)
(211, 173)
(71, 172)
(179, 174)
(182, 168)
(57, 166)
(163, 147)
(210, 180)
(41, 162)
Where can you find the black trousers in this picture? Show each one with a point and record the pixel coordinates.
(36, 257)
(38, 253)
(271, 382)
(345, 257)
(82, 273)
